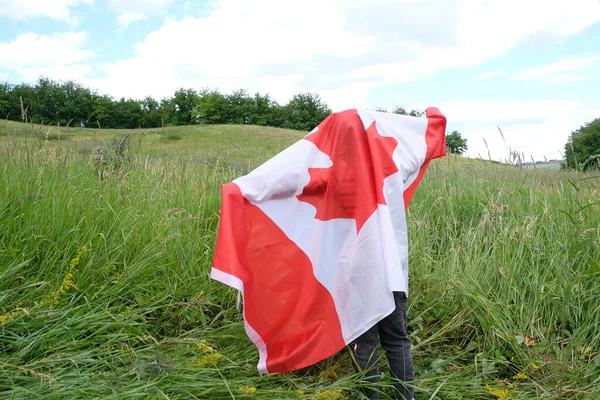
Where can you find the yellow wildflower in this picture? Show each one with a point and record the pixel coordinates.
(206, 360)
(331, 394)
(210, 356)
(248, 390)
(12, 315)
(203, 347)
(130, 308)
(499, 393)
(52, 298)
(213, 357)
(209, 359)
(520, 375)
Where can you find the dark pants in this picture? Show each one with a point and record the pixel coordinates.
(391, 331)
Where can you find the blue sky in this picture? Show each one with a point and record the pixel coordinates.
(531, 67)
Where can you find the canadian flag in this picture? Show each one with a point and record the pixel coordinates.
(316, 238)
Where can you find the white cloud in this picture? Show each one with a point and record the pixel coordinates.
(22, 10)
(128, 18)
(152, 7)
(491, 74)
(253, 46)
(340, 49)
(538, 128)
(499, 112)
(60, 56)
(568, 69)
(138, 10)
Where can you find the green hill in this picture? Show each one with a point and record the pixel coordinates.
(236, 141)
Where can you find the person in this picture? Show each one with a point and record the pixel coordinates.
(392, 333)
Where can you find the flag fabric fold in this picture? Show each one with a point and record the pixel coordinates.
(315, 238)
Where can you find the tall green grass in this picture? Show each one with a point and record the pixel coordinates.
(105, 293)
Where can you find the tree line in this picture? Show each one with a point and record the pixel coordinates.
(69, 103)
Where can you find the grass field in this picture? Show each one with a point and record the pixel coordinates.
(104, 263)
(181, 142)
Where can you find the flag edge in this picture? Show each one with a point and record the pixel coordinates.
(236, 283)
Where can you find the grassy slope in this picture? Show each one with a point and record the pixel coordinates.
(504, 275)
(234, 142)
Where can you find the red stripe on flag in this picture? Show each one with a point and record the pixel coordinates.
(292, 312)
(435, 139)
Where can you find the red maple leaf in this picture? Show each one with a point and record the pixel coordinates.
(353, 186)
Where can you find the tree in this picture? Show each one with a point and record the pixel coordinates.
(128, 114)
(102, 114)
(182, 106)
(305, 111)
(76, 104)
(5, 89)
(240, 107)
(30, 102)
(413, 113)
(264, 111)
(46, 102)
(582, 151)
(212, 108)
(152, 113)
(456, 143)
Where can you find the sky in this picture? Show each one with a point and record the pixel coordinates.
(529, 67)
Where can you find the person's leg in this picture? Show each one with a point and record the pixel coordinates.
(364, 349)
(397, 344)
